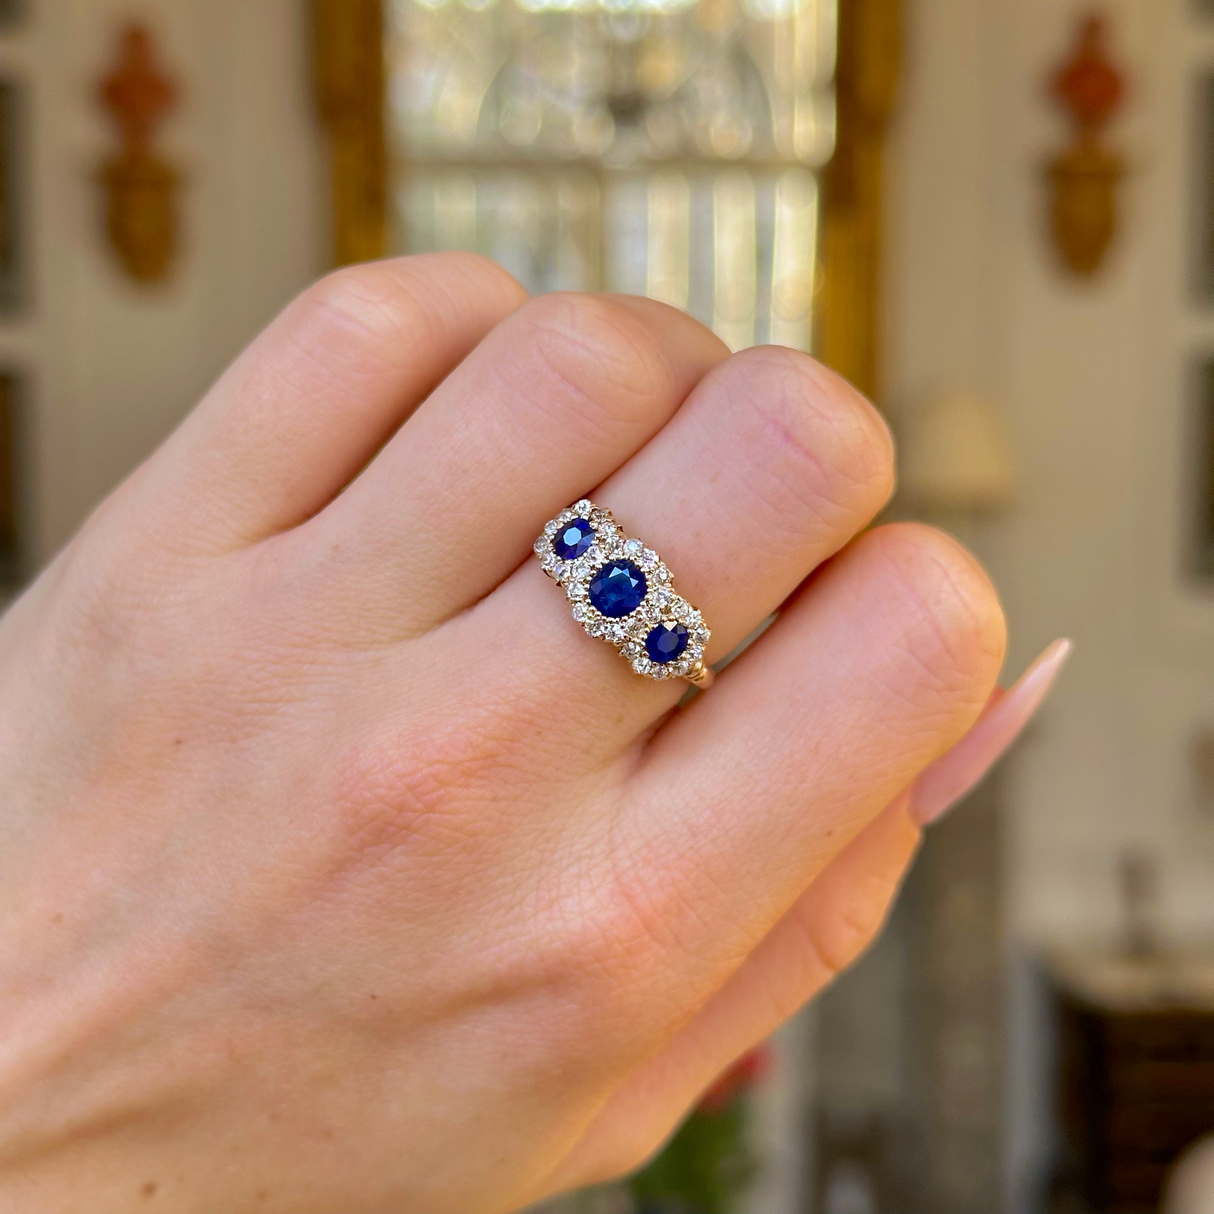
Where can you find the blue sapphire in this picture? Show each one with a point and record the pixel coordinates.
(618, 589)
(665, 643)
(573, 539)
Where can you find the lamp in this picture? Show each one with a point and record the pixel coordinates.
(957, 458)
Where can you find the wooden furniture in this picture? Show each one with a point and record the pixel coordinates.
(1135, 1075)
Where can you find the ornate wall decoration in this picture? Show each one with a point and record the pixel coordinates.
(1083, 179)
(140, 185)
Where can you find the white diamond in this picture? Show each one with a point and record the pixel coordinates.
(630, 649)
(541, 546)
(662, 574)
(582, 508)
(580, 612)
(633, 547)
(649, 559)
(550, 529)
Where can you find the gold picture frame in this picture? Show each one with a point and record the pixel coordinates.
(349, 82)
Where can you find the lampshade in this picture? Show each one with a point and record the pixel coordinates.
(956, 456)
(1190, 1188)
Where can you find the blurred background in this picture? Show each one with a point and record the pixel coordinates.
(995, 216)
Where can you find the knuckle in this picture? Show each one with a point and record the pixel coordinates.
(426, 794)
(367, 303)
(612, 939)
(836, 940)
(118, 588)
(955, 627)
(829, 442)
(595, 347)
(624, 936)
(475, 269)
(421, 297)
(636, 1147)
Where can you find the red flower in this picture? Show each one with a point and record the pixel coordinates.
(745, 1073)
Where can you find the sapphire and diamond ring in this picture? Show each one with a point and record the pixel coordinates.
(622, 593)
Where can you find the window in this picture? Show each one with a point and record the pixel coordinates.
(659, 147)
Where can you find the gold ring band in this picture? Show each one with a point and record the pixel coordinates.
(622, 593)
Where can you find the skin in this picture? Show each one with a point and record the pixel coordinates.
(339, 870)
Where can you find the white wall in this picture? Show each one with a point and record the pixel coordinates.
(112, 366)
(1090, 378)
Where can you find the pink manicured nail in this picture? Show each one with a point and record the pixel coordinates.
(954, 773)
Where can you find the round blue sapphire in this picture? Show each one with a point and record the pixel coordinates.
(665, 643)
(618, 589)
(573, 539)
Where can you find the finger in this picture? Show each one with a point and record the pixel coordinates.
(771, 466)
(310, 401)
(824, 932)
(555, 399)
(953, 775)
(876, 669)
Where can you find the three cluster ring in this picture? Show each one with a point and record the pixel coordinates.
(621, 592)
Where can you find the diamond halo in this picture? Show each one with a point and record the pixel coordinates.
(643, 575)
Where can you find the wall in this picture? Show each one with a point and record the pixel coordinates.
(1091, 379)
(112, 366)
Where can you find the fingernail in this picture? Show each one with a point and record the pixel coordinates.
(955, 772)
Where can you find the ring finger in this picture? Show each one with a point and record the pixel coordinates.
(772, 465)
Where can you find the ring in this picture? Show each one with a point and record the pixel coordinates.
(621, 592)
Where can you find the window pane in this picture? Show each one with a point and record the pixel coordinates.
(654, 146)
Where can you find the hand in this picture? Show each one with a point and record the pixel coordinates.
(339, 870)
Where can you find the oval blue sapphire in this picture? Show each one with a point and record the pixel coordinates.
(618, 589)
(573, 539)
(665, 643)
